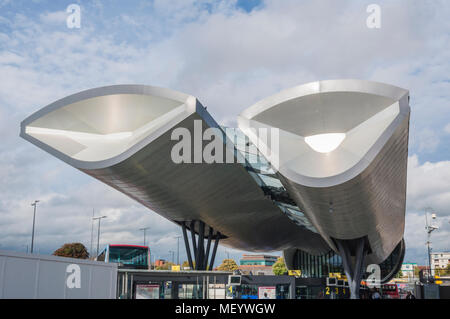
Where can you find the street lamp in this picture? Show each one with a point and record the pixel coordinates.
(34, 218)
(92, 233)
(178, 249)
(171, 252)
(98, 232)
(429, 229)
(144, 230)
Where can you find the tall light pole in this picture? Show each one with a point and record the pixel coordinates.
(178, 249)
(171, 252)
(34, 218)
(144, 230)
(92, 233)
(429, 229)
(98, 232)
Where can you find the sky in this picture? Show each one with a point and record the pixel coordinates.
(229, 54)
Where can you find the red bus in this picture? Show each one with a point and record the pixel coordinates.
(390, 291)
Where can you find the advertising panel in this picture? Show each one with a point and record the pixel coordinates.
(144, 291)
(267, 292)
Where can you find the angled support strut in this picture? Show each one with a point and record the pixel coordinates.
(353, 267)
(198, 259)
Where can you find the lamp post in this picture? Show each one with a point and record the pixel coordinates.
(98, 231)
(178, 249)
(92, 233)
(171, 252)
(429, 229)
(34, 218)
(144, 230)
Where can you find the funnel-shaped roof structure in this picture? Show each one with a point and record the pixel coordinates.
(342, 155)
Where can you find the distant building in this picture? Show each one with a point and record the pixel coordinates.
(408, 269)
(160, 262)
(440, 260)
(257, 264)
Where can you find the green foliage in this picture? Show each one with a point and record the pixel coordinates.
(228, 265)
(186, 264)
(443, 271)
(416, 272)
(73, 250)
(399, 274)
(279, 268)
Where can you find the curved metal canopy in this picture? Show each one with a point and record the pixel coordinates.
(122, 135)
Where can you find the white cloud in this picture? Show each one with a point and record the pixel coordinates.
(57, 17)
(447, 128)
(428, 187)
(426, 140)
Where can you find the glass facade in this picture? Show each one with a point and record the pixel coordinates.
(317, 266)
(260, 169)
(392, 264)
(321, 266)
(310, 292)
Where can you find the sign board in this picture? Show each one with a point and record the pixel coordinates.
(267, 292)
(234, 280)
(296, 273)
(331, 281)
(176, 268)
(337, 275)
(144, 291)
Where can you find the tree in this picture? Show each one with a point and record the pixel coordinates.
(443, 271)
(279, 268)
(416, 272)
(73, 250)
(399, 274)
(228, 265)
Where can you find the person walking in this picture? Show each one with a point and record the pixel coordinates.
(376, 294)
(409, 295)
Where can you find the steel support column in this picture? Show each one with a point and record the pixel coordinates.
(200, 246)
(216, 243)
(208, 246)
(194, 243)
(353, 270)
(186, 243)
(200, 255)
